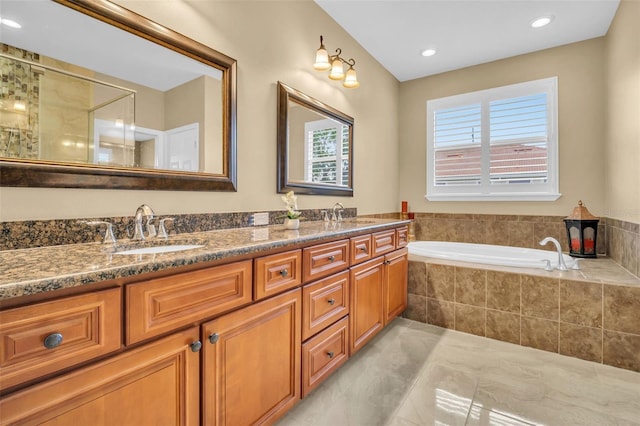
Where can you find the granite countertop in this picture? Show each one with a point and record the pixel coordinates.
(36, 270)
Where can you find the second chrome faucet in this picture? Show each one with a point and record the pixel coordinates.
(146, 214)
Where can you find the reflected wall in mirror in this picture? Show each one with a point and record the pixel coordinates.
(315, 146)
(94, 95)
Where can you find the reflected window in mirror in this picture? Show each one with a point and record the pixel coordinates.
(315, 146)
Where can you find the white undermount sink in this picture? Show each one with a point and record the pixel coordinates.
(160, 249)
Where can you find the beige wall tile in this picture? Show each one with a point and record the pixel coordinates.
(470, 286)
(440, 313)
(539, 333)
(521, 234)
(621, 350)
(417, 278)
(581, 342)
(416, 308)
(440, 282)
(581, 303)
(503, 326)
(503, 291)
(540, 297)
(496, 232)
(470, 319)
(622, 308)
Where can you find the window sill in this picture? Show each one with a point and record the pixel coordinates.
(493, 197)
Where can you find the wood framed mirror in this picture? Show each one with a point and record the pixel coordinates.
(315, 146)
(140, 107)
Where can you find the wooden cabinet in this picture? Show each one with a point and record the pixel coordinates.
(322, 260)
(324, 302)
(395, 284)
(277, 273)
(402, 237)
(156, 384)
(383, 242)
(251, 363)
(323, 354)
(360, 249)
(161, 305)
(366, 315)
(39, 339)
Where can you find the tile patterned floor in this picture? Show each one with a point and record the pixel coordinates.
(414, 374)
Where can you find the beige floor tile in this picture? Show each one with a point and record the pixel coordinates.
(414, 374)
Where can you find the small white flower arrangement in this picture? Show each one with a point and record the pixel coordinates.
(291, 201)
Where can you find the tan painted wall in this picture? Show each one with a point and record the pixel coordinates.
(272, 40)
(581, 95)
(622, 190)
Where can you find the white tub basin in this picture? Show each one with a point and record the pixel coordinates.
(160, 249)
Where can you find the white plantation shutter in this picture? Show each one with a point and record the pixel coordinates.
(326, 152)
(496, 144)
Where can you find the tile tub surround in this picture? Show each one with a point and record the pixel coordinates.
(623, 244)
(590, 314)
(28, 272)
(42, 233)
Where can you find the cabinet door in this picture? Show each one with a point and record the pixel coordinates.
(155, 384)
(366, 317)
(251, 369)
(395, 284)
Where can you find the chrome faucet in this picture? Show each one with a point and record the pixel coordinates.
(144, 211)
(338, 217)
(561, 265)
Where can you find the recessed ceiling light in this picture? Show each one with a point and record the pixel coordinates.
(541, 21)
(429, 52)
(10, 23)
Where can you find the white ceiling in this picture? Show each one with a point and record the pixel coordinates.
(464, 32)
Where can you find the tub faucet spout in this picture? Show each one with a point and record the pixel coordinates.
(561, 265)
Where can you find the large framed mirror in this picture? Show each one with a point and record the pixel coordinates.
(94, 95)
(315, 146)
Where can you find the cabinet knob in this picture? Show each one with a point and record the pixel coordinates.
(196, 346)
(53, 340)
(331, 301)
(363, 249)
(284, 272)
(330, 354)
(213, 338)
(332, 258)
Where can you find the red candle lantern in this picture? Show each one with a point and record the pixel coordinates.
(582, 231)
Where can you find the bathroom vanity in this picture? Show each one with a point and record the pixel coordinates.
(234, 332)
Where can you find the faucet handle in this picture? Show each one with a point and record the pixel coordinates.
(547, 266)
(575, 264)
(109, 238)
(162, 229)
(325, 215)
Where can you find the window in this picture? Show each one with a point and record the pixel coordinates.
(327, 152)
(495, 144)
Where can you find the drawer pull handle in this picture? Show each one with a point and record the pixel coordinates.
(196, 346)
(332, 258)
(213, 338)
(363, 249)
(330, 353)
(284, 272)
(331, 301)
(53, 340)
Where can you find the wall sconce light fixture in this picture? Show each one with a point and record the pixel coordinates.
(326, 62)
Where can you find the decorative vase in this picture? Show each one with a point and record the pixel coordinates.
(291, 223)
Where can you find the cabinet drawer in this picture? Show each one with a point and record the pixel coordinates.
(160, 305)
(402, 237)
(276, 273)
(324, 354)
(324, 259)
(383, 242)
(88, 325)
(324, 302)
(360, 249)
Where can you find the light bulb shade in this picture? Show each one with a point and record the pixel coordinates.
(337, 71)
(350, 79)
(322, 59)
